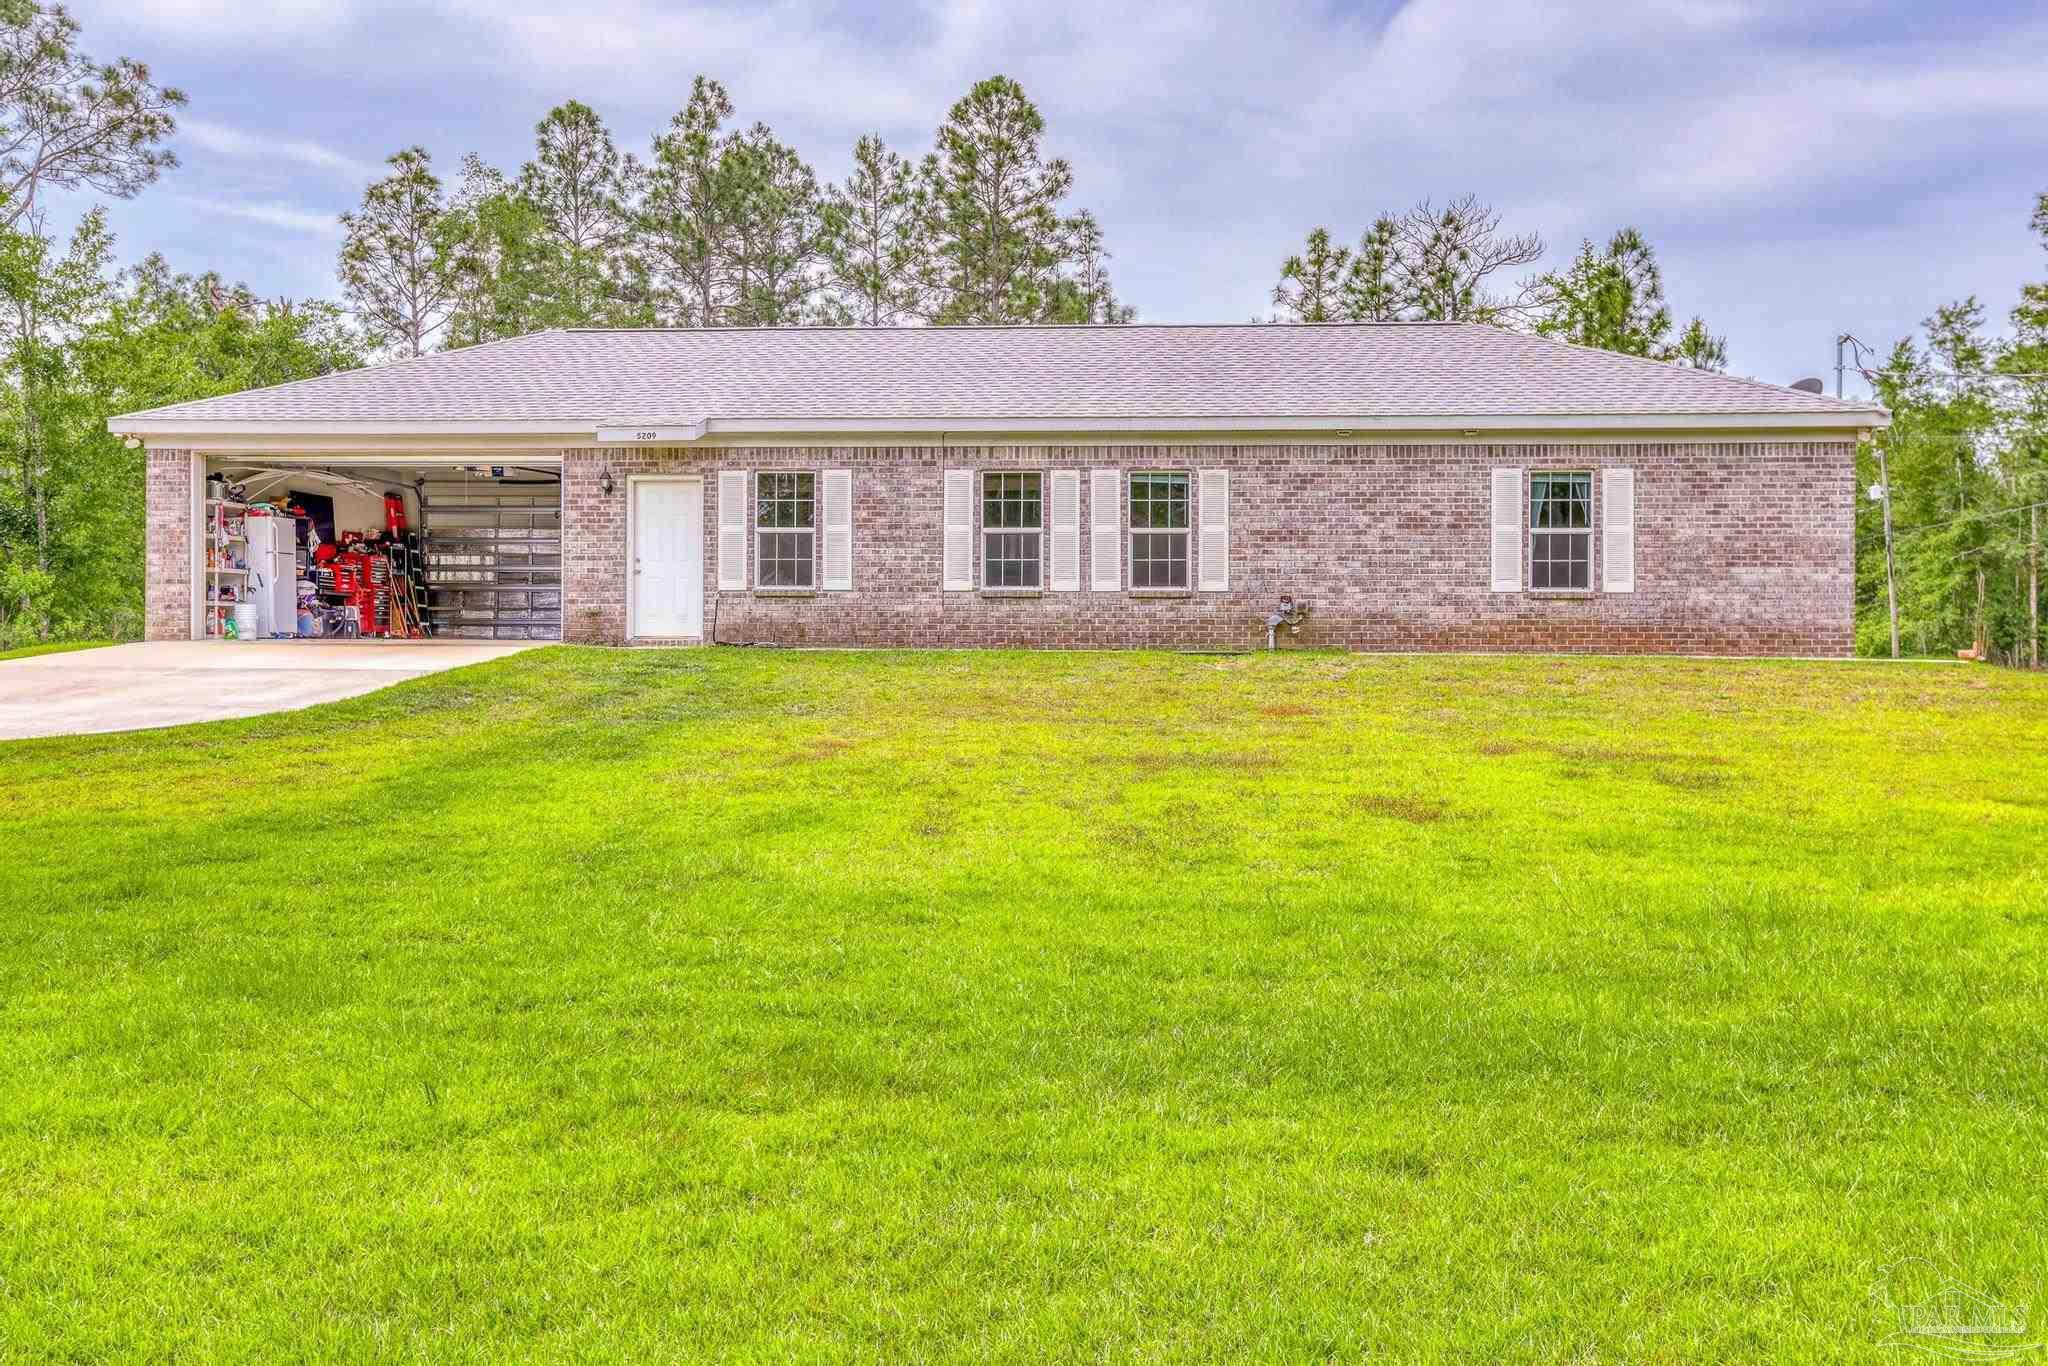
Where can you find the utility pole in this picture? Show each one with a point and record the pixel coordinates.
(1884, 485)
(1891, 573)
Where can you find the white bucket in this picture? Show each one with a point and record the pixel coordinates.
(245, 621)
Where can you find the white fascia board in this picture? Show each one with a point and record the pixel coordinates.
(553, 435)
(144, 424)
(1847, 420)
(652, 434)
(280, 442)
(397, 456)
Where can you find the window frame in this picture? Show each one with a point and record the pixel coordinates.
(1186, 531)
(1588, 531)
(982, 530)
(761, 559)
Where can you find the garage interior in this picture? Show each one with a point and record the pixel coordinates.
(330, 549)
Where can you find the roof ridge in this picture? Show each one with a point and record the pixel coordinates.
(809, 328)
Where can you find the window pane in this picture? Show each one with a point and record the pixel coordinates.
(1159, 559)
(785, 499)
(1159, 500)
(1561, 500)
(784, 559)
(1011, 500)
(1010, 559)
(1561, 559)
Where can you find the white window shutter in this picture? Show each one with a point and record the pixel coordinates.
(838, 491)
(1507, 531)
(1066, 531)
(1212, 514)
(1105, 531)
(732, 529)
(1618, 531)
(959, 531)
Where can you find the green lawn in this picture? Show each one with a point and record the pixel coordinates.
(52, 647)
(591, 1005)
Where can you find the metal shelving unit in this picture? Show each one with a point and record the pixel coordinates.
(491, 554)
(222, 539)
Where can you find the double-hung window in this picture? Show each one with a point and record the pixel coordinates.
(1012, 531)
(1159, 529)
(1561, 531)
(785, 529)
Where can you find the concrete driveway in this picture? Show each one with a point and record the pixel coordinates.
(172, 683)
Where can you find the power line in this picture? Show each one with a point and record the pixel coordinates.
(1923, 373)
(1969, 517)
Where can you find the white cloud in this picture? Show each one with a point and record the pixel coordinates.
(222, 23)
(269, 213)
(1744, 137)
(238, 145)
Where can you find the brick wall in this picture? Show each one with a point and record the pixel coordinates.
(168, 541)
(1741, 548)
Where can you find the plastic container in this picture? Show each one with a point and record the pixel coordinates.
(245, 621)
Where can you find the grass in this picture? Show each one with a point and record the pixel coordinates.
(52, 647)
(594, 1005)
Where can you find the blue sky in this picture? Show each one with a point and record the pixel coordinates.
(1801, 169)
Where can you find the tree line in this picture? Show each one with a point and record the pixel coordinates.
(1429, 264)
(81, 340)
(1965, 461)
(724, 226)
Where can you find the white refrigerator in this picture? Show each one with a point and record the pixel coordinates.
(274, 575)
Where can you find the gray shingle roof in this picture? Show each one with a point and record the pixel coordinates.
(982, 375)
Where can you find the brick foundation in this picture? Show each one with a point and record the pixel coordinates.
(1741, 548)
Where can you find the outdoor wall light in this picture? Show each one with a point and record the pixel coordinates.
(604, 481)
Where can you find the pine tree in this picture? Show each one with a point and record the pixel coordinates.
(578, 181)
(1312, 281)
(1371, 293)
(1943, 450)
(501, 267)
(776, 228)
(1004, 251)
(879, 253)
(683, 218)
(70, 122)
(2026, 361)
(390, 266)
(1699, 349)
(1422, 265)
(1613, 299)
(1084, 292)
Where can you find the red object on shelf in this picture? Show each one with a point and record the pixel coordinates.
(394, 513)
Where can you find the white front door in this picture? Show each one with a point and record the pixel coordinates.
(667, 569)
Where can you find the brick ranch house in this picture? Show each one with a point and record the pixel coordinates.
(1413, 486)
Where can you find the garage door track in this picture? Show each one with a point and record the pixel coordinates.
(173, 683)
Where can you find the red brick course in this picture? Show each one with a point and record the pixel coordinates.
(1741, 548)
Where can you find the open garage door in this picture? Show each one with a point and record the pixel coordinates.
(491, 548)
(345, 549)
